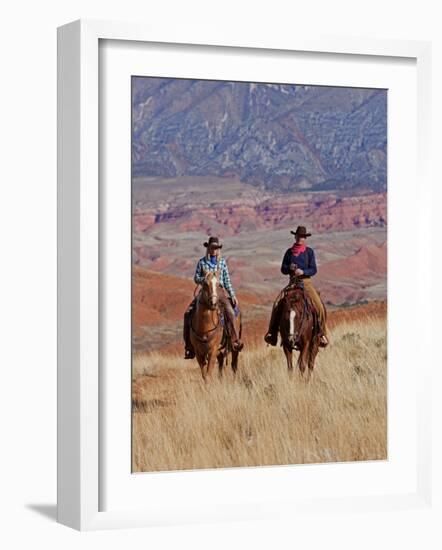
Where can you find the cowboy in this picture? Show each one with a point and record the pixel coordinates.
(299, 262)
(211, 262)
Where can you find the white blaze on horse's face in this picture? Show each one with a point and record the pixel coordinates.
(214, 296)
(212, 284)
(292, 322)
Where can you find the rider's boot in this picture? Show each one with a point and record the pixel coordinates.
(237, 345)
(272, 333)
(189, 353)
(271, 338)
(324, 340)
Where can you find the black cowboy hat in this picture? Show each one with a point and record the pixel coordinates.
(301, 231)
(213, 243)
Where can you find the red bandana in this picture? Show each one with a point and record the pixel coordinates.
(298, 248)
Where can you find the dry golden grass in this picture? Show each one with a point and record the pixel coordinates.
(264, 416)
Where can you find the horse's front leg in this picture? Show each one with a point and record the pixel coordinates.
(293, 333)
(202, 362)
(289, 356)
(211, 360)
(313, 352)
(235, 356)
(220, 358)
(303, 358)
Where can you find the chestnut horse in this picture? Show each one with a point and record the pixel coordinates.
(299, 328)
(207, 333)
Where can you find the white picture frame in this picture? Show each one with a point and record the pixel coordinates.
(79, 265)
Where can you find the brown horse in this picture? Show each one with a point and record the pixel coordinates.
(299, 328)
(207, 333)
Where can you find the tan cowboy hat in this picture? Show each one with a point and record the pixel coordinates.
(213, 243)
(301, 231)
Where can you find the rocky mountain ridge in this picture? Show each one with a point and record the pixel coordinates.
(282, 137)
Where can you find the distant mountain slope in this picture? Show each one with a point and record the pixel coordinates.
(276, 136)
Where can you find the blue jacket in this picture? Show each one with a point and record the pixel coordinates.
(300, 262)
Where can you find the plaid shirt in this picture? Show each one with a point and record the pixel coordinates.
(224, 279)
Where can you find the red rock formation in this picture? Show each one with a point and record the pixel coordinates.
(158, 298)
(368, 260)
(323, 213)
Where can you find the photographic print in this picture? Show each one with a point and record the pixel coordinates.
(259, 274)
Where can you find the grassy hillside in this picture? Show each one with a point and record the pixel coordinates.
(264, 416)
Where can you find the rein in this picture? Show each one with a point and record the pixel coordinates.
(293, 284)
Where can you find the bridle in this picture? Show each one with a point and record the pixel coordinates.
(293, 287)
(210, 332)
